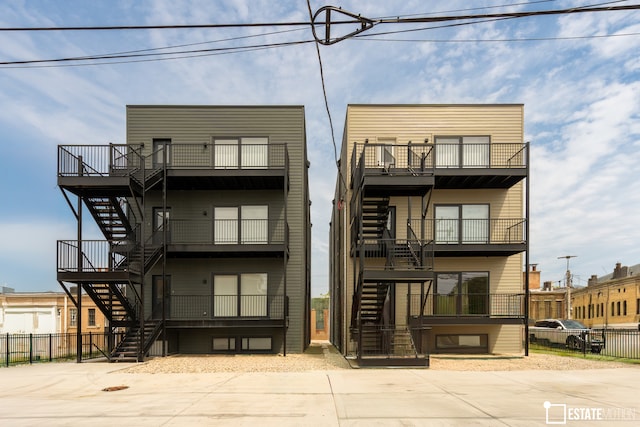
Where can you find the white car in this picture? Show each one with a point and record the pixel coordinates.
(571, 333)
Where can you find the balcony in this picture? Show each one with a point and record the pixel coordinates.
(197, 307)
(411, 167)
(463, 308)
(477, 237)
(227, 237)
(111, 168)
(405, 167)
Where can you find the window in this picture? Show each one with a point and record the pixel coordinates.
(618, 308)
(462, 224)
(613, 308)
(465, 152)
(638, 306)
(624, 308)
(91, 321)
(547, 309)
(559, 310)
(255, 224)
(244, 153)
(160, 145)
(465, 293)
(253, 227)
(224, 344)
(463, 343)
(73, 317)
(242, 295)
(256, 343)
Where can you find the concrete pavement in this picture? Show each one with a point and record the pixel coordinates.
(69, 394)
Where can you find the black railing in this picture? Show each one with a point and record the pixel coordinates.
(122, 159)
(199, 307)
(472, 231)
(467, 305)
(390, 342)
(98, 160)
(32, 348)
(423, 158)
(94, 255)
(399, 253)
(227, 231)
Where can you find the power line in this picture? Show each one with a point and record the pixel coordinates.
(326, 104)
(372, 37)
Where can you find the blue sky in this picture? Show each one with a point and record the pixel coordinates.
(578, 76)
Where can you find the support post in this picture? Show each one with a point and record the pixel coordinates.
(79, 262)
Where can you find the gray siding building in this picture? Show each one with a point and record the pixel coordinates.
(205, 214)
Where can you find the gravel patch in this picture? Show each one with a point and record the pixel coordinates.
(324, 357)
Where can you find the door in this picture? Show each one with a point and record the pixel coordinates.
(447, 220)
(475, 152)
(447, 152)
(475, 224)
(160, 289)
(225, 153)
(385, 153)
(255, 224)
(225, 230)
(161, 220)
(254, 154)
(225, 295)
(160, 147)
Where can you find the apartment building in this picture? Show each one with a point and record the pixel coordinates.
(205, 220)
(429, 232)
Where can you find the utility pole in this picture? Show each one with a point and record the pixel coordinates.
(568, 283)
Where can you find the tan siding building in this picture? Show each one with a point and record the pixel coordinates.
(428, 233)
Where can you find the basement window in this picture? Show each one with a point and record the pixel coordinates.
(256, 344)
(224, 344)
(463, 343)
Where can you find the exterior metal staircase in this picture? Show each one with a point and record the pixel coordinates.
(109, 216)
(112, 301)
(127, 349)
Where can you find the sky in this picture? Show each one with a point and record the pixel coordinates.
(578, 76)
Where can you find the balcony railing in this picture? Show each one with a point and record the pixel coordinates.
(475, 231)
(467, 305)
(98, 160)
(228, 231)
(426, 158)
(199, 307)
(93, 255)
(122, 159)
(398, 254)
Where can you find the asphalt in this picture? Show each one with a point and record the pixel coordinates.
(70, 394)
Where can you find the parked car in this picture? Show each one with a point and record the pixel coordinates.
(571, 333)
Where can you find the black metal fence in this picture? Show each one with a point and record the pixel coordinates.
(617, 343)
(18, 349)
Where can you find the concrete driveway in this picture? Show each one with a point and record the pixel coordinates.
(69, 394)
